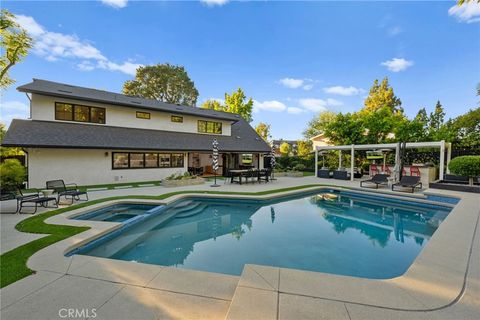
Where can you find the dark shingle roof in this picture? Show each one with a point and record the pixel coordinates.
(50, 134)
(62, 90)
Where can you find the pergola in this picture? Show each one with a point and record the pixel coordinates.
(442, 145)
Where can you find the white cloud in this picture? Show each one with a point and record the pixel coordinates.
(291, 83)
(397, 64)
(272, 105)
(307, 87)
(115, 3)
(317, 105)
(54, 46)
(295, 110)
(343, 91)
(393, 31)
(13, 110)
(212, 3)
(468, 12)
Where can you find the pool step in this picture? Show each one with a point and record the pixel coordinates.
(191, 212)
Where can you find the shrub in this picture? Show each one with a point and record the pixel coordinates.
(12, 174)
(299, 167)
(467, 166)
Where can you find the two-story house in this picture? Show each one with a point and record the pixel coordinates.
(91, 136)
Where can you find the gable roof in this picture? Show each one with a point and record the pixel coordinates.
(63, 90)
(52, 134)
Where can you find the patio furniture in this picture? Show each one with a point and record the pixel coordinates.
(373, 170)
(341, 175)
(34, 199)
(264, 175)
(410, 182)
(324, 173)
(414, 171)
(196, 171)
(236, 173)
(66, 190)
(250, 175)
(378, 179)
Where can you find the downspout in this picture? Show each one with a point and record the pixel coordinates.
(27, 166)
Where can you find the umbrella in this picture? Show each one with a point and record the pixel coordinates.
(273, 161)
(215, 160)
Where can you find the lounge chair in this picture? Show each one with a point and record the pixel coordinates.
(33, 198)
(378, 179)
(411, 182)
(66, 190)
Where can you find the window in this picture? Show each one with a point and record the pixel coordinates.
(136, 160)
(120, 160)
(97, 115)
(143, 115)
(151, 160)
(176, 119)
(177, 160)
(81, 114)
(247, 158)
(164, 160)
(209, 127)
(63, 111)
(70, 112)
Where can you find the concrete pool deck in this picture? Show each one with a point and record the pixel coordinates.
(442, 283)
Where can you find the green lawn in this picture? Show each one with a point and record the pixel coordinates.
(13, 266)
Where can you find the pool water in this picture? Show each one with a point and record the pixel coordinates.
(117, 212)
(347, 234)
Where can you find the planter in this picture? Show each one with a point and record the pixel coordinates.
(183, 182)
(292, 174)
(454, 186)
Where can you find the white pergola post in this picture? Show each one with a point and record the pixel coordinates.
(340, 160)
(352, 161)
(442, 160)
(449, 156)
(316, 162)
(397, 162)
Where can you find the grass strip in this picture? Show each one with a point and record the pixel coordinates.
(13, 264)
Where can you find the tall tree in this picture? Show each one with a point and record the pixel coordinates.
(318, 124)
(14, 42)
(263, 131)
(381, 95)
(163, 82)
(346, 129)
(304, 147)
(437, 117)
(213, 105)
(237, 103)
(285, 149)
(467, 128)
(380, 124)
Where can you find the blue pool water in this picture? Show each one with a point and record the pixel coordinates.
(348, 235)
(117, 212)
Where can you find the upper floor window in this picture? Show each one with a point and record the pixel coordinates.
(209, 127)
(176, 119)
(73, 112)
(143, 115)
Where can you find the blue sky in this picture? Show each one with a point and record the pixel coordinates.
(294, 58)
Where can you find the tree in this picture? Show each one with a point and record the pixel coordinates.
(437, 117)
(318, 124)
(304, 148)
(381, 95)
(346, 129)
(163, 82)
(237, 103)
(285, 149)
(461, 2)
(467, 128)
(213, 105)
(380, 124)
(7, 151)
(263, 131)
(15, 44)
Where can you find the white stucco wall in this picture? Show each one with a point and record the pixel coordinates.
(86, 167)
(43, 108)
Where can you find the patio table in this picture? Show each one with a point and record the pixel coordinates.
(239, 173)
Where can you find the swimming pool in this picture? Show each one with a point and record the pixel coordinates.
(118, 212)
(347, 233)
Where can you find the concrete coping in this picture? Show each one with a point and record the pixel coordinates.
(435, 280)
